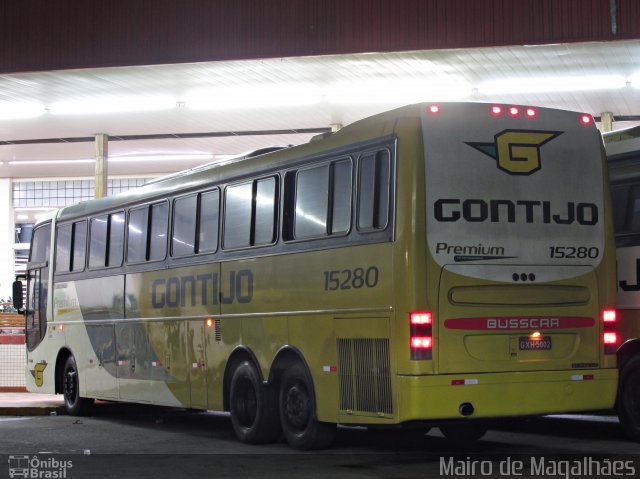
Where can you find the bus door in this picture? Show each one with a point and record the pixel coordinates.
(203, 305)
(38, 286)
(197, 362)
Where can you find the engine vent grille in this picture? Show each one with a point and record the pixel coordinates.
(364, 371)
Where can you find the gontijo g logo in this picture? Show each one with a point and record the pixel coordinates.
(517, 151)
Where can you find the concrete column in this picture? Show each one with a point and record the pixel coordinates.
(102, 163)
(7, 237)
(606, 121)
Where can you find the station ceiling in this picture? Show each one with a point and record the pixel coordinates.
(166, 118)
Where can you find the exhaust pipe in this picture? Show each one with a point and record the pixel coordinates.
(466, 409)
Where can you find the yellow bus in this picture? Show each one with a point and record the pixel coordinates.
(623, 153)
(431, 265)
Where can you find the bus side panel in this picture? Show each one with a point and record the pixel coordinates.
(294, 300)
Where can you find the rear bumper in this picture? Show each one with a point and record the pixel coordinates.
(506, 394)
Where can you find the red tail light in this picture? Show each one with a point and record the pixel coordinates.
(609, 336)
(421, 335)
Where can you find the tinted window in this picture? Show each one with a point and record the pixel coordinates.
(208, 227)
(116, 239)
(341, 217)
(98, 242)
(237, 216)
(265, 211)
(40, 244)
(184, 226)
(79, 245)
(158, 231)
(137, 235)
(312, 196)
(620, 195)
(373, 188)
(63, 248)
(323, 200)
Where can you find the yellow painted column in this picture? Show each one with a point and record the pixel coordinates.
(102, 163)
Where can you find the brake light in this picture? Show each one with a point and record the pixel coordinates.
(420, 318)
(609, 336)
(421, 335)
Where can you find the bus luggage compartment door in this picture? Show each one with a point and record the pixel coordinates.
(509, 325)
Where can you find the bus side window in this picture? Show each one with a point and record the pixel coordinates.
(373, 190)
(250, 213)
(183, 240)
(98, 242)
(106, 240)
(137, 235)
(158, 231)
(79, 246)
(321, 200)
(71, 245)
(116, 239)
(634, 209)
(63, 248)
(208, 221)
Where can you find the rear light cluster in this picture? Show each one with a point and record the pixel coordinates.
(609, 336)
(514, 111)
(421, 335)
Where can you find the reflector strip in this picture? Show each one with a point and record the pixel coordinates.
(582, 377)
(464, 382)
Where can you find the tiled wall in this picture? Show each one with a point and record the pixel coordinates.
(12, 363)
(65, 192)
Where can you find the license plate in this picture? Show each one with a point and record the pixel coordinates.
(528, 344)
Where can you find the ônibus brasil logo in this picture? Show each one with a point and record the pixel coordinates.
(36, 467)
(517, 152)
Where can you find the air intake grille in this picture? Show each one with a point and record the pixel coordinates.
(365, 381)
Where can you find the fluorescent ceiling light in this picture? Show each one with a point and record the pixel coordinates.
(253, 96)
(22, 217)
(15, 111)
(634, 80)
(49, 162)
(173, 157)
(552, 84)
(112, 104)
(394, 91)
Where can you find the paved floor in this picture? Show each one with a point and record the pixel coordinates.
(30, 404)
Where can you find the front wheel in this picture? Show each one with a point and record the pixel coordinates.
(298, 412)
(73, 403)
(628, 404)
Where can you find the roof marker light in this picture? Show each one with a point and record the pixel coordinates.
(434, 109)
(586, 119)
(496, 110)
(514, 111)
(531, 112)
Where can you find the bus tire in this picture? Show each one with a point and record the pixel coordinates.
(628, 404)
(253, 406)
(73, 403)
(463, 433)
(298, 412)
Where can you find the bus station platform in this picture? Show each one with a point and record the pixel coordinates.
(30, 404)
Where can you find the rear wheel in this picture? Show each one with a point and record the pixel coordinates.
(298, 412)
(463, 433)
(628, 404)
(73, 403)
(254, 407)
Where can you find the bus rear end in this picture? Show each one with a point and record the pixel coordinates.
(519, 314)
